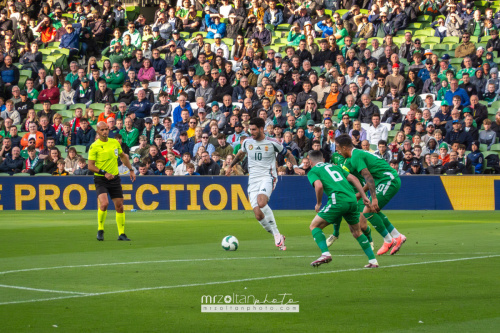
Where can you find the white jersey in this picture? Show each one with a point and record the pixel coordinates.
(262, 157)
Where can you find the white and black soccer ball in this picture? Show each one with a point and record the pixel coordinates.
(230, 243)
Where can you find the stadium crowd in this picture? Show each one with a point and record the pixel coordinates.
(415, 82)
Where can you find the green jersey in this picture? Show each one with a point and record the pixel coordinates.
(335, 183)
(345, 163)
(379, 168)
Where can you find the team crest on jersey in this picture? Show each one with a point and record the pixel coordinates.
(266, 148)
(250, 147)
(116, 152)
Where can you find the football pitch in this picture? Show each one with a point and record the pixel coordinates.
(55, 276)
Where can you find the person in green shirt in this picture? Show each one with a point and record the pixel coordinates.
(73, 74)
(345, 164)
(468, 66)
(114, 53)
(342, 203)
(412, 97)
(116, 78)
(128, 48)
(103, 162)
(129, 133)
(135, 35)
(351, 109)
(383, 183)
(341, 33)
(294, 36)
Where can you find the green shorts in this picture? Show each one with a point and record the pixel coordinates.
(386, 190)
(333, 213)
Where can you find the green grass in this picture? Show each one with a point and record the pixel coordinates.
(424, 288)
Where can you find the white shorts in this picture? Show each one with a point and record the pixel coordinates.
(265, 186)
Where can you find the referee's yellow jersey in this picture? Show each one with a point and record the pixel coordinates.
(105, 155)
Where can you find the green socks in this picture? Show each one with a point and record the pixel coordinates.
(365, 245)
(368, 233)
(377, 223)
(386, 222)
(320, 239)
(336, 229)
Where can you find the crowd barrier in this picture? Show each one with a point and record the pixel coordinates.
(229, 193)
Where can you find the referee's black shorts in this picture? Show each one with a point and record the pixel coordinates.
(112, 187)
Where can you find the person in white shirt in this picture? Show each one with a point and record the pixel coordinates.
(219, 44)
(262, 179)
(376, 131)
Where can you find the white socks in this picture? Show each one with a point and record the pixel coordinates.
(269, 218)
(388, 238)
(395, 233)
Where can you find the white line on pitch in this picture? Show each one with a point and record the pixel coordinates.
(248, 279)
(42, 290)
(211, 259)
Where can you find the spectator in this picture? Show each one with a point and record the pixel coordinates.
(476, 158)
(13, 163)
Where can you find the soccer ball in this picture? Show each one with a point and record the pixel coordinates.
(230, 243)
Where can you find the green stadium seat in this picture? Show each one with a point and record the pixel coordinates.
(61, 147)
(20, 174)
(22, 81)
(495, 147)
(80, 148)
(451, 40)
(38, 107)
(42, 174)
(424, 18)
(59, 107)
(26, 72)
(78, 105)
(495, 105)
(97, 106)
(283, 26)
(430, 39)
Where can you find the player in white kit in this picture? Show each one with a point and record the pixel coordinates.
(262, 177)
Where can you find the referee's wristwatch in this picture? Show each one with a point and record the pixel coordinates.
(131, 170)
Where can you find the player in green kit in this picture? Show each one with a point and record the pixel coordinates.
(339, 160)
(383, 183)
(342, 203)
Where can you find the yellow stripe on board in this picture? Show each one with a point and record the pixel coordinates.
(471, 192)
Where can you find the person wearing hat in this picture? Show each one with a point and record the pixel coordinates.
(219, 44)
(341, 33)
(395, 79)
(458, 134)
(412, 97)
(24, 105)
(416, 168)
(85, 93)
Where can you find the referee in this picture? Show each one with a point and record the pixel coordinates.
(103, 161)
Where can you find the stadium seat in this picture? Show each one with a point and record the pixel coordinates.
(20, 174)
(97, 106)
(22, 81)
(80, 148)
(495, 147)
(59, 107)
(78, 105)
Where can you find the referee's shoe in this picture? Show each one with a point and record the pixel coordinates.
(123, 237)
(100, 235)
